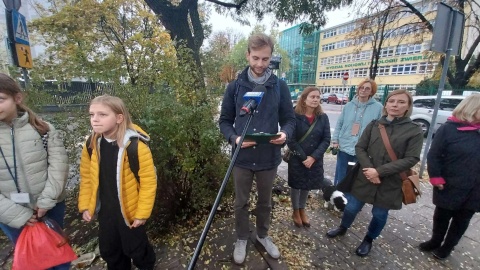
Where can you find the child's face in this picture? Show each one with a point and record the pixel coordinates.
(8, 108)
(104, 120)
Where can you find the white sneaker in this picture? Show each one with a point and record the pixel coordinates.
(240, 251)
(269, 246)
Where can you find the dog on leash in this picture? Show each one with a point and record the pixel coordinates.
(335, 197)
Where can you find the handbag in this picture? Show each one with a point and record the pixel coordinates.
(410, 179)
(288, 153)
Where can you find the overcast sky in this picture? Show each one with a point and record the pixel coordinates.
(223, 22)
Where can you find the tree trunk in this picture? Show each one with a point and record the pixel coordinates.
(176, 20)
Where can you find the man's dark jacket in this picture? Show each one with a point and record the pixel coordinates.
(274, 109)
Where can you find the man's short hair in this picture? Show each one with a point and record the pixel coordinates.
(258, 41)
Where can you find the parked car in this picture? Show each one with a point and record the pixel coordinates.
(324, 97)
(423, 110)
(337, 99)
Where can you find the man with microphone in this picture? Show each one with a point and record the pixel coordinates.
(259, 161)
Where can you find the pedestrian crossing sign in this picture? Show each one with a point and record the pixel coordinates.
(20, 31)
(24, 56)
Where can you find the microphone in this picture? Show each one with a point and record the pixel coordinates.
(252, 100)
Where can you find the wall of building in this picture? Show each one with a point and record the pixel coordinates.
(404, 60)
(303, 54)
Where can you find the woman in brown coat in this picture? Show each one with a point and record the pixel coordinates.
(379, 182)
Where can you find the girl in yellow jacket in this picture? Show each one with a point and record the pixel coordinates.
(109, 188)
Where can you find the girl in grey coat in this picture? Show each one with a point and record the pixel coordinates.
(33, 165)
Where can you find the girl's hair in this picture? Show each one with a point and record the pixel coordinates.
(399, 92)
(372, 82)
(118, 107)
(10, 87)
(301, 107)
(467, 109)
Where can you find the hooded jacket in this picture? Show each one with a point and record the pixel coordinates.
(406, 139)
(43, 175)
(275, 108)
(136, 197)
(355, 112)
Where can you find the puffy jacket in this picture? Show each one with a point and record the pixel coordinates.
(406, 139)
(274, 109)
(40, 174)
(454, 157)
(136, 197)
(353, 112)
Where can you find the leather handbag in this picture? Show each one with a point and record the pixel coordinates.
(410, 179)
(289, 153)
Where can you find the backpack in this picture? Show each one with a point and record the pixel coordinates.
(132, 153)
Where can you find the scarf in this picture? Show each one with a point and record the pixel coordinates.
(468, 126)
(260, 80)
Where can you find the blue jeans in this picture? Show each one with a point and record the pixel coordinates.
(342, 165)
(377, 222)
(57, 213)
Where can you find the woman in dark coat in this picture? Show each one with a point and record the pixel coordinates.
(378, 181)
(305, 168)
(453, 167)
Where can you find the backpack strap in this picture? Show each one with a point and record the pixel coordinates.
(132, 154)
(237, 88)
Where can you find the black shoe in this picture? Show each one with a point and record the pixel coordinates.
(336, 232)
(442, 252)
(364, 248)
(429, 245)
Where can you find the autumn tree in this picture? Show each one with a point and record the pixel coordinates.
(463, 68)
(183, 20)
(218, 70)
(382, 24)
(117, 41)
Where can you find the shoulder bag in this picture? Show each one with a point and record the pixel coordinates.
(288, 153)
(410, 179)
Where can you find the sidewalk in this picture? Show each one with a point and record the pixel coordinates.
(303, 248)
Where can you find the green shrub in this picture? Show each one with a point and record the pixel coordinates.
(187, 148)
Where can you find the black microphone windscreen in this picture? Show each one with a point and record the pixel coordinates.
(259, 88)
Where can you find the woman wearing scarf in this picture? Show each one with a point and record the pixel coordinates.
(453, 167)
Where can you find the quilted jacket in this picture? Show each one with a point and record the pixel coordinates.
(43, 179)
(136, 197)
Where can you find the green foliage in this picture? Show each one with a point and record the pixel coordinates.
(186, 146)
(429, 87)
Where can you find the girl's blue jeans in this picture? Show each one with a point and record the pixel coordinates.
(354, 206)
(57, 213)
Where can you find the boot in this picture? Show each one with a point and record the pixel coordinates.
(458, 227)
(304, 217)
(441, 220)
(297, 220)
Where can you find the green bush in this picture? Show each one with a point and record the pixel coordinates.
(429, 87)
(187, 148)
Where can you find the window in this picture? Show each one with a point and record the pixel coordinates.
(387, 52)
(382, 71)
(448, 104)
(424, 103)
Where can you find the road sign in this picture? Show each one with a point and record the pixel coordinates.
(24, 56)
(20, 31)
(345, 76)
(12, 4)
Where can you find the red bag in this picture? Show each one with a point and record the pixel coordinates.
(40, 247)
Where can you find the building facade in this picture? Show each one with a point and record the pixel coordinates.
(404, 58)
(303, 53)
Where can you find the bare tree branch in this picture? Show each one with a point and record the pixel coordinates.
(229, 5)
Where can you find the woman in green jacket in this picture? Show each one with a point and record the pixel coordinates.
(378, 181)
